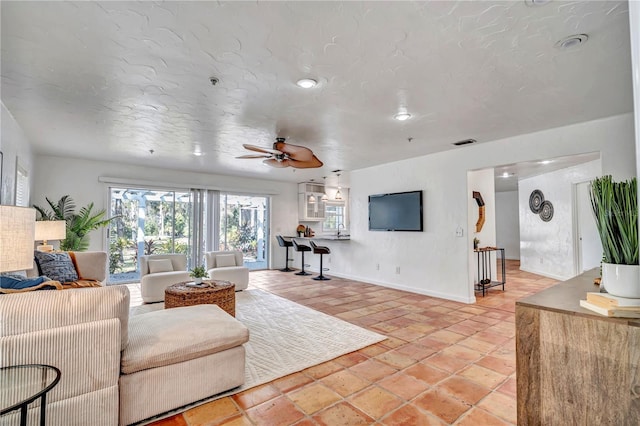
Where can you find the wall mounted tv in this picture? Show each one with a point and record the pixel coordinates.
(400, 211)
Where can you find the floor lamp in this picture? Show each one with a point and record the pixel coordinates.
(17, 231)
(50, 230)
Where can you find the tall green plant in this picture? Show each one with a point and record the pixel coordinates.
(78, 224)
(615, 206)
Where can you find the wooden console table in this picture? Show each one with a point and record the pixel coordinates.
(575, 367)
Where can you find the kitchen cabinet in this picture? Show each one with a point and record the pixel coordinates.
(310, 205)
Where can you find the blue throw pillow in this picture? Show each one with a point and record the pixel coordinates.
(57, 266)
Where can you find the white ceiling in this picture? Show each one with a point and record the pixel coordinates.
(527, 169)
(114, 80)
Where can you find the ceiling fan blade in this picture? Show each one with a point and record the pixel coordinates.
(260, 149)
(254, 156)
(295, 152)
(311, 164)
(278, 164)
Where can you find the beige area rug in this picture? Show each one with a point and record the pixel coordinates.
(285, 337)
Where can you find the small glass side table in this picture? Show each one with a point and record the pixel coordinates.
(20, 385)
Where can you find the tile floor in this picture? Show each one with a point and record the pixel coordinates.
(443, 362)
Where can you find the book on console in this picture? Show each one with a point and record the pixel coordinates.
(607, 300)
(617, 312)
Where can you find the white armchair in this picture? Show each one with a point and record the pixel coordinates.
(227, 266)
(159, 271)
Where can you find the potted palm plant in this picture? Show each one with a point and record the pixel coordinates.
(615, 207)
(198, 273)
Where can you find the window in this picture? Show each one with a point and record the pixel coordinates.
(22, 187)
(334, 217)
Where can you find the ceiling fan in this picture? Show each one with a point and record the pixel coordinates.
(284, 155)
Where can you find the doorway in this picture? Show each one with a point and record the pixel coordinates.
(243, 227)
(588, 245)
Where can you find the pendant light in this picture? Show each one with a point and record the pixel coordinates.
(324, 197)
(338, 193)
(312, 199)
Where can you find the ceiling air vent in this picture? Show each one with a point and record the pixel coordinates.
(465, 142)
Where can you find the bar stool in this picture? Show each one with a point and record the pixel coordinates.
(320, 250)
(286, 244)
(301, 248)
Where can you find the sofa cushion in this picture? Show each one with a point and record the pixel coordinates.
(176, 335)
(160, 265)
(57, 266)
(224, 260)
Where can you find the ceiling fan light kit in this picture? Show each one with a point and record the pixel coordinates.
(284, 155)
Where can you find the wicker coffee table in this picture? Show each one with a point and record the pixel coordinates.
(221, 293)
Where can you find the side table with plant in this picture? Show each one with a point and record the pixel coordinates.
(198, 273)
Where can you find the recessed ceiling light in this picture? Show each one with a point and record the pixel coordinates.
(402, 116)
(306, 83)
(572, 41)
(198, 153)
(507, 175)
(545, 161)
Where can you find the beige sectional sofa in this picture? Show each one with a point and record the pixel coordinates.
(116, 368)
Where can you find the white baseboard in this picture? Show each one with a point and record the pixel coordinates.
(545, 274)
(424, 292)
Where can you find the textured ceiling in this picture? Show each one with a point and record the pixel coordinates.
(114, 80)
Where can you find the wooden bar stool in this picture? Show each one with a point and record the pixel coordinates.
(286, 244)
(320, 250)
(301, 248)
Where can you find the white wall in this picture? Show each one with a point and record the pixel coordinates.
(546, 248)
(80, 180)
(508, 224)
(15, 148)
(435, 262)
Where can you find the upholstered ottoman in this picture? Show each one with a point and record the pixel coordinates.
(178, 356)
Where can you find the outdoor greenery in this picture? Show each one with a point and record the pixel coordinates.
(161, 233)
(78, 224)
(615, 207)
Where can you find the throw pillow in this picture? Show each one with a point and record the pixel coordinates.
(57, 266)
(160, 265)
(223, 260)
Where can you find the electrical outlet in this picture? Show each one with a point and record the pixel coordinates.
(459, 232)
(397, 269)
(377, 266)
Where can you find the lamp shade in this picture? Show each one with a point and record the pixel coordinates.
(17, 230)
(50, 230)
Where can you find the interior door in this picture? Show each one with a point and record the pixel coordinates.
(589, 247)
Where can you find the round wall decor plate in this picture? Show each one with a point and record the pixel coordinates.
(546, 212)
(535, 201)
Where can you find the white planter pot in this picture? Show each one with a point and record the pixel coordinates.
(621, 280)
(199, 281)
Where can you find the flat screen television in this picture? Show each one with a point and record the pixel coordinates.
(400, 211)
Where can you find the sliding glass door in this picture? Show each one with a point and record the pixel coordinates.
(148, 221)
(244, 227)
